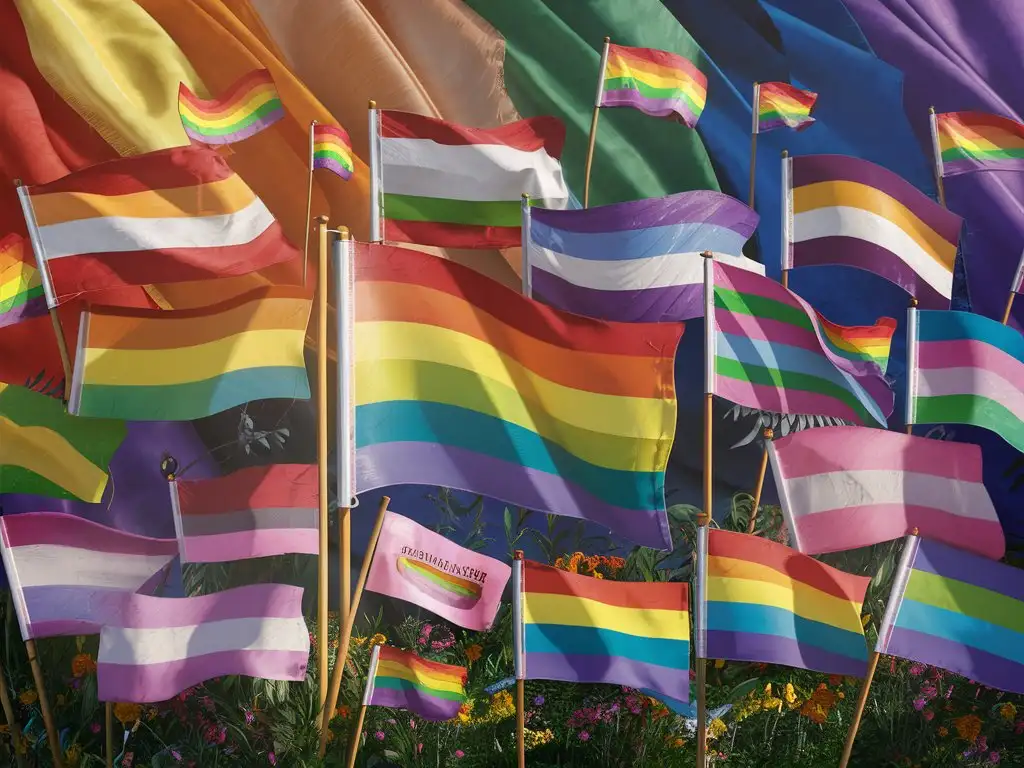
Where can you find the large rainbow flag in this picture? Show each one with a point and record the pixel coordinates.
(585, 630)
(403, 680)
(658, 83)
(249, 106)
(21, 289)
(977, 141)
(463, 383)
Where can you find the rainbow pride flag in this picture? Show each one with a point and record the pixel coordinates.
(179, 365)
(960, 612)
(585, 630)
(658, 83)
(332, 149)
(770, 351)
(464, 383)
(978, 141)
(860, 343)
(249, 106)
(966, 369)
(765, 602)
(21, 289)
(403, 680)
(781, 105)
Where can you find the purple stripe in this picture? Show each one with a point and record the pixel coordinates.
(243, 545)
(230, 138)
(697, 207)
(71, 610)
(770, 649)
(31, 308)
(771, 125)
(973, 663)
(860, 254)
(812, 169)
(423, 704)
(431, 464)
(609, 669)
(331, 164)
(159, 682)
(65, 530)
(668, 303)
(653, 107)
(952, 563)
(272, 601)
(957, 167)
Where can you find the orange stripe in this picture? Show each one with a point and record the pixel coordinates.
(682, 72)
(410, 661)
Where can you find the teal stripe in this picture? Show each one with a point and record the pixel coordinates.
(965, 630)
(974, 410)
(411, 421)
(599, 641)
(770, 620)
(401, 684)
(195, 400)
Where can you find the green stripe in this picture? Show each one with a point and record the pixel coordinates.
(496, 213)
(967, 599)
(761, 307)
(959, 153)
(437, 578)
(271, 106)
(800, 382)
(21, 298)
(974, 410)
(345, 161)
(401, 684)
(14, 479)
(649, 91)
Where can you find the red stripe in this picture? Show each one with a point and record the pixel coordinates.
(640, 56)
(325, 132)
(276, 486)
(805, 98)
(236, 93)
(387, 263)
(452, 235)
(667, 596)
(973, 119)
(547, 133)
(163, 169)
(796, 566)
(412, 661)
(257, 294)
(93, 272)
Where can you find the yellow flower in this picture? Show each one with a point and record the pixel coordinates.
(719, 663)
(1008, 711)
(360, 641)
(598, 575)
(678, 743)
(127, 713)
(73, 754)
(474, 652)
(770, 702)
(716, 728)
(29, 697)
(790, 695)
(378, 639)
(82, 664)
(943, 731)
(502, 706)
(865, 620)
(768, 690)
(534, 739)
(465, 711)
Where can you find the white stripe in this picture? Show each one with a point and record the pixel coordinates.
(633, 274)
(48, 565)
(120, 645)
(477, 172)
(863, 487)
(118, 234)
(843, 221)
(937, 382)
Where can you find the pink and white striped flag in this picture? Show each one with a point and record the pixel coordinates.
(69, 575)
(159, 646)
(848, 487)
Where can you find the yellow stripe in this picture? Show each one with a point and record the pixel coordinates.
(827, 194)
(684, 83)
(14, 283)
(164, 367)
(393, 669)
(50, 455)
(609, 414)
(217, 198)
(798, 598)
(239, 113)
(542, 608)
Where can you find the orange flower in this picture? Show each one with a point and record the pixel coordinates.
(474, 652)
(82, 665)
(343, 712)
(943, 731)
(968, 727)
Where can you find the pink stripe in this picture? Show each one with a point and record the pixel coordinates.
(976, 382)
(263, 542)
(839, 449)
(744, 281)
(766, 329)
(159, 682)
(73, 531)
(964, 353)
(862, 526)
(272, 601)
(767, 398)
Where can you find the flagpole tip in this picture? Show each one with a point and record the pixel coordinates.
(769, 433)
(169, 467)
(17, 182)
(607, 39)
(372, 104)
(517, 555)
(913, 302)
(344, 234)
(785, 153)
(321, 219)
(931, 110)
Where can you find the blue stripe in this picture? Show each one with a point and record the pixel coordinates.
(939, 325)
(639, 243)
(966, 630)
(598, 641)
(410, 421)
(769, 620)
(784, 357)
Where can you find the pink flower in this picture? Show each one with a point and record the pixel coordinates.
(459, 753)
(993, 757)
(412, 724)
(379, 735)
(129, 757)
(272, 758)
(916, 669)
(95, 727)
(419, 747)
(427, 629)
(919, 704)
(421, 640)
(584, 736)
(928, 715)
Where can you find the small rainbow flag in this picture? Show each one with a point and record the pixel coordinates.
(782, 105)
(249, 106)
(767, 603)
(977, 141)
(860, 343)
(658, 83)
(21, 289)
(332, 149)
(402, 680)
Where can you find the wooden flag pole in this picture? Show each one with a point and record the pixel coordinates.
(937, 153)
(323, 587)
(768, 433)
(1017, 285)
(12, 723)
(520, 688)
(371, 675)
(353, 746)
(753, 143)
(109, 714)
(593, 123)
(1009, 308)
(309, 207)
(346, 630)
(44, 704)
(858, 712)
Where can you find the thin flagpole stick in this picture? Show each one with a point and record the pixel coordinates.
(309, 207)
(371, 675)
(858, 712)
(769, 433)
(518, 650)
(345, 430)
(700, 642)
(527, 276)
(933, 123)
(909, 414)
(12, 723)
(346, 630)
(593, 122)
(376, 176)
(109, 714)
(753, 142)
(44, 704)
(1009, 308)
(700, 673)
(1018, 285)
(787, 218)
(323, 587)
(353, 745)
